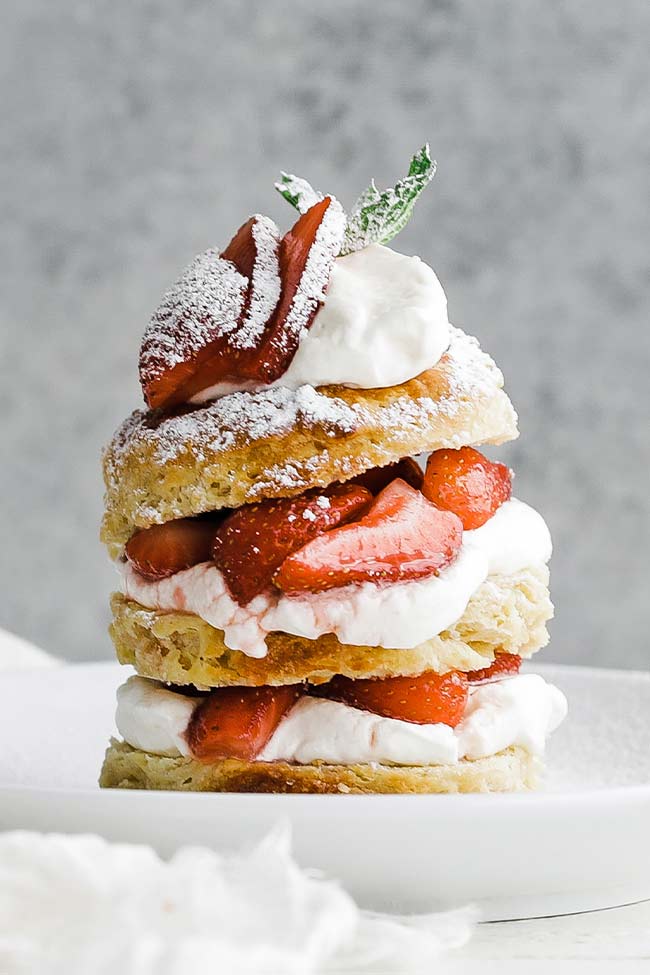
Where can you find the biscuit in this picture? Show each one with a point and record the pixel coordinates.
(279, 442)
(512, 770)
(506, 613)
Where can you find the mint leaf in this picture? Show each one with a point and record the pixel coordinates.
(379, 215)
(298, 192)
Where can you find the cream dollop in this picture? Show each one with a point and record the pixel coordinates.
(521, 710)
(152, 718)
(383, 322)
(515, 537)
(395, 615)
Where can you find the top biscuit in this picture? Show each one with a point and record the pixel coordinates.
(278, 442)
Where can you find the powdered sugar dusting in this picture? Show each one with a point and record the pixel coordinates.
(290, 476)
(238, 418)
(473, 373)
(203, 305)
(316, 274)
(250, 416)
(264, 289)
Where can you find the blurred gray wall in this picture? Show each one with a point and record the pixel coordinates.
(137, 133)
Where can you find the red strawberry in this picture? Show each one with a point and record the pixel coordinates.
(378, 478)
(213, 316)
(403, 536)
(162, 550)
(307, 253)
(240, 315)
(427, 699)
(466, 482)
(237, 722)
(252, 542)
(503, 665)
(254, 252)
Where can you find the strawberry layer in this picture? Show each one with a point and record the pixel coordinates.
(521, 710)
(393, 615)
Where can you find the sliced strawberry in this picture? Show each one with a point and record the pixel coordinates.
(466, 482)
(307, 254)
(162, 550)
(254, 252)
(242, 249)
(252, 542)
(213, 317)
(503, 665)
(237, 722)
(378, 478)
(426, 699)
(403, 536)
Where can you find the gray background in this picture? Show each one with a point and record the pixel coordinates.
(137, 133)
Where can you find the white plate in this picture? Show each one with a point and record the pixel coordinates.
(582, 844)
(16, 653)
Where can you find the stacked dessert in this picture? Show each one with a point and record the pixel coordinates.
(308, 608)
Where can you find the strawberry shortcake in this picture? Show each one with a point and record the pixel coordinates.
(324, 585)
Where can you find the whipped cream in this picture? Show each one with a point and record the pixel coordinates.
(521, 710)
(153, 718)
(393, 615)
(383, 322)
(514, 538)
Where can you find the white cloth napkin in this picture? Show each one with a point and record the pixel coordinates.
(77, 905)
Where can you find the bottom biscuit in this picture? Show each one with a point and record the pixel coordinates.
(512, 770)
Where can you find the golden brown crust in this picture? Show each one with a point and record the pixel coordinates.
(278, 443)
(506, 613)
(512, 770)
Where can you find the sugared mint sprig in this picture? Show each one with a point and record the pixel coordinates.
(298, 192)
(378, 215)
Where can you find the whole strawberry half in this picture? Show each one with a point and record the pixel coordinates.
(402, 536)
(163, 550)
(466, 482)
(428, 698)
(237, 722)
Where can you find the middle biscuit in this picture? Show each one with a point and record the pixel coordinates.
(507, 614)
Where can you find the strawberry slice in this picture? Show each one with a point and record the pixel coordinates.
(237, 722)
(503, 665)
(428, 698)
(254, 252)
(403, 536)
(253, 542)
(213, 317)
(307, 254)
(163, 550)
(466, 482)
(240, 315)
(378, 478)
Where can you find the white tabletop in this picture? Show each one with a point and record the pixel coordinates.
(616, 941)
